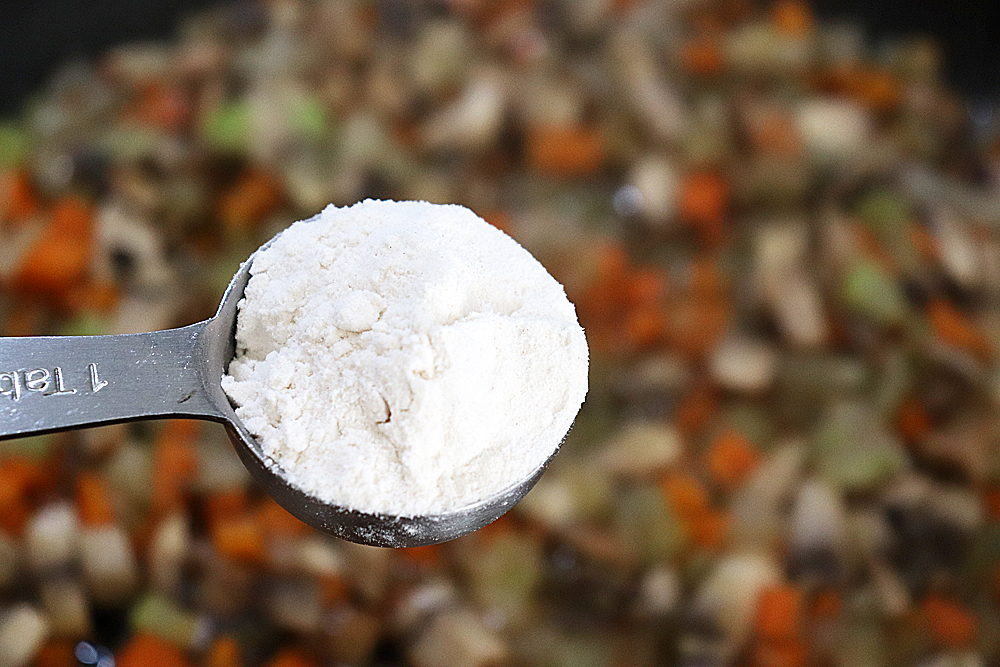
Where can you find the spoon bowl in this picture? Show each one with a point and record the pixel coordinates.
(56, 383)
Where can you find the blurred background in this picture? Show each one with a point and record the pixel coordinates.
(778, 222)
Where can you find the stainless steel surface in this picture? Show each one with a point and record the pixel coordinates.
(55, 383)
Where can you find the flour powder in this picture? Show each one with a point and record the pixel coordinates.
(405, 358)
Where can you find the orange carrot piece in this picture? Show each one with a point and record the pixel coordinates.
(55, 653)
(704, 204)
(826, 604)
(144, 650)
(876, 89)
(707, 279)
(954, 328)
(498, 218)
(730, 459)
(647, 286)
(703, 56)
(240, 538)
(277, 521)
(16, 483)
(696, 409)
(332, 589)
(565, 151)
(686, 494)
(425, 556)
(93, 296)
(60, 258)
(779, 612)
(254, 195)
(291, 657)
(175, 461)
(18, 200)
(224, 652)
(788, 653)
(226, 504)
(93, 500)
(913, 421)
(645, 326)
(793, 18)
(710, 529)
(948, 622)
(163, 106)
(991, 502)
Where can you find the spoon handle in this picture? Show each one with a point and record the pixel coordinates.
(53, 383)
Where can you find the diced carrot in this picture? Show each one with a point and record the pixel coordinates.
(291, 657)
(23, 473)
(869, 245)
(92, 296)
(19, 478)
(779, 612)
(224, 652)
(426, 556)
(695, 409)
(611, 259)
(498, 218)
(647, 286)
(163, 106)
(787, 653)
(948, 622)
(277, 521)
(710, 529)
(826, 604)
(565, 151)
(60, 258)
(16, 513)
(645, 326)
(775, 133)
(226, 504)
(240, 538)
(686, 494)
(72, 216)
(55, 653)
(93, 500)
(18, 200)
(954, 328)
(255, 194)
(730, 458)
(991, 501)
(703, 55)
(502, 526)
(707, 279)
(25, 318)
(332, 589)
(877, 89)
(793, 18)
(703, 203)
(144, 650)
(175, 461)
(913, 420)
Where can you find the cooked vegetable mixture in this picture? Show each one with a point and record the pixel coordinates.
(782, 244)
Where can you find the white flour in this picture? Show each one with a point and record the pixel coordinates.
(405, 358)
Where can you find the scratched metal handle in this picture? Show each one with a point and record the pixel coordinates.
(54, 383)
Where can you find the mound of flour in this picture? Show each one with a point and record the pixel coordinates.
(405, 358)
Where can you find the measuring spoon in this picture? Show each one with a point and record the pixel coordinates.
(56, 383)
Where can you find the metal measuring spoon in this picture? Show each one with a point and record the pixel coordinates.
(56, 383)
